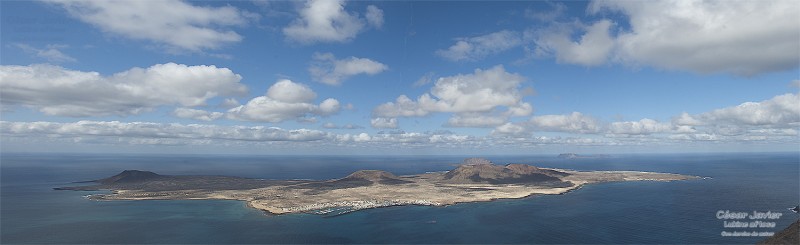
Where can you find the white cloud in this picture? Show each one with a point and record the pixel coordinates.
(329, 107)
(362, 137)
(740, 37)
(593, 47)
(572, 123)
(511, 129)
(328, 21)
(715, 36)
(557, 11)
(291, 92)
(229, 103)
(521, 109)
(481, 91)
(285, 100)
(329, 125)
(120, 133)
(174, 23)
(421, 139)
(325, 68)
(481, 94)
(428, 78)
(374, 16)
(694, 137)
(55, 90)
(351, 126)
(345, 138)
(780, 111)
(476, 48)
(518, 136)
(148, 130)
(684, 119)
(642, 127)
(476, 120)
(50, 52)
(402, 107)
(795, 83)
(197, 114)
(382, 122)
(771, 119)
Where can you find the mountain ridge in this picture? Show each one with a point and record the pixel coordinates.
(130, 176)
(477, 170)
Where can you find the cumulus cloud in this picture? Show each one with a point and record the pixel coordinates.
(383, 122)
(114, 132)
(517, 135)
(575, 122)
(476, 48)
(592, 48)
(58, 91)
(782, 111)
(476, 120)
(684, 119)
(715, 36)
(284, 100)
(481, 94)
(694, 137)
(428, 78)
(291, 92)
(330, 125)
(325, 68)
(642, 127)
(50, 52)
(795, 83)
(422, 139)
(374, 16)
(328, 21)
(174, 23)
(345, 138)
(776, 119)
(149, 130)
(555, 11)
(740, 37)
(402, 107)
(229, 103)
(197, 114)
(511, 129)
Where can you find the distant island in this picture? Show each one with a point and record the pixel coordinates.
(573, 156)
(475, 180)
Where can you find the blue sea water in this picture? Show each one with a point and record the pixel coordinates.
(622, 212)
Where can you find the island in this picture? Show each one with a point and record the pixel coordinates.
(574, 156)
(475, 180)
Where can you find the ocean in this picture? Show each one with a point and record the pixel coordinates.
(622, 212)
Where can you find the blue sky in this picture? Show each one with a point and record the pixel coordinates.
(399, 77)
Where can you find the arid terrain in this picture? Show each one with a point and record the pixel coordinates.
(473, 181)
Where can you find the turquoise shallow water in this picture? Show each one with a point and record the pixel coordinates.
(625, 212)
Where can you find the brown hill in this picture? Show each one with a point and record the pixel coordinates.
(129, 176)
(496, 174)
(358, 178)
(790, 235)
(476, 160)
(373, 176)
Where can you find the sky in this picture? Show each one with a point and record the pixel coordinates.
(399, 77)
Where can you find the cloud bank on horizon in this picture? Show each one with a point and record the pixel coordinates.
(333, 77)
